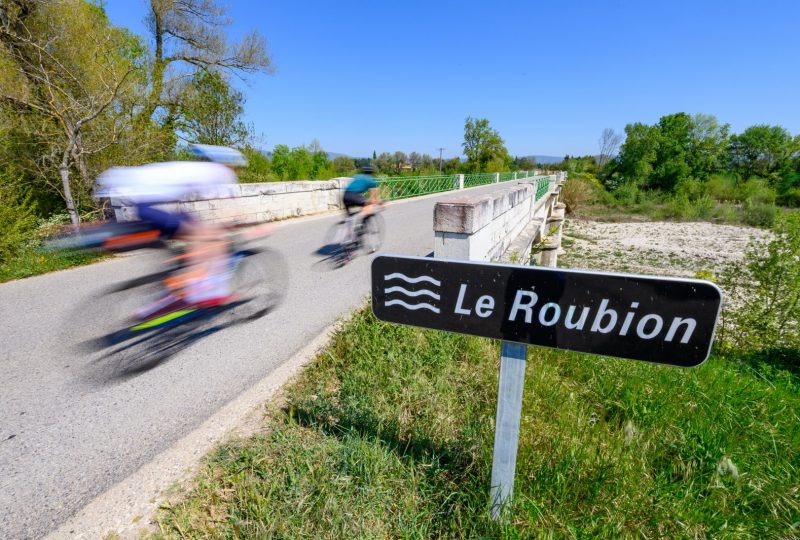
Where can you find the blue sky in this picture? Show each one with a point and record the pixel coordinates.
(549, 76)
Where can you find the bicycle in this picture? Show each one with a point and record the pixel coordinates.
(258, 282)
(367, 236)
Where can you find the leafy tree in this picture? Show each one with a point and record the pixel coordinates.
(483, 145)
(211, 111)
(280, 161)
(399, 158)
(415, 160)
(708, 145)
(343, 165)
(64, 70)
(258, 166)
(672, 152)
(190, 35)
(763, 150)
(300, 164)
(638, 153)
(384, 162)
(374, 157)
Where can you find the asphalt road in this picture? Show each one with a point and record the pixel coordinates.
(69, 430)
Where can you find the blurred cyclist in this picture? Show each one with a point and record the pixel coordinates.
(207, 278)
(355, 202)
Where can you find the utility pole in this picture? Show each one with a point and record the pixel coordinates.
(440, 158)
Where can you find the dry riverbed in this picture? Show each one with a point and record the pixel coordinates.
(655, 248)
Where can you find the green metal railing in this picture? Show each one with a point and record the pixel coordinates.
(472, 180)
(403, 187)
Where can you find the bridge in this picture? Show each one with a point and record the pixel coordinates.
(83, 452)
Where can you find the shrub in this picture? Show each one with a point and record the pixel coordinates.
(756, 190)
(690, 188)
(17, 219)
(790, 197)
(628, 194)
(726, 213)
(721, 187)
(758, 214)
(580, 191)
(703, 207)
(767, 283)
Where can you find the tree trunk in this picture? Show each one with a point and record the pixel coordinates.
(63, 171)
(157, 74)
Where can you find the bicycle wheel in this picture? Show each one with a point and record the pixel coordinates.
(334, 238)
(372, 232)
(259, 283)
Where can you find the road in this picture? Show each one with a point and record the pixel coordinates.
(67, 434)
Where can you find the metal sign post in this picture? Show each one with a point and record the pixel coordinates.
(506, 428)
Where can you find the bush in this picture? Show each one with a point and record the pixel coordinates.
(628, 194)
(767, 283)
(580, 191)
(722, 187)
(17, 219)
(726, 213)
(758, 214)
(790, 197)
(691, 188)
(757, 191)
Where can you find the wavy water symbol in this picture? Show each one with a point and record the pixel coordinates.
(408, 279)
(412, 293)
(413, 307)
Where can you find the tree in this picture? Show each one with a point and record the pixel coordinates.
(384, 162)
(638, 153)
(300, 164)
(399, 159)
(609, 142)
(280, 161)
(482, 145)
(320, 165)
(374, 157)
(65, 68)
(211, 111)
(190, 35)
(343, 165)
(708, 145)
(672, 154)
(415, 160)
(763, 150)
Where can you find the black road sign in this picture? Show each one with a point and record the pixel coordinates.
(663, 320)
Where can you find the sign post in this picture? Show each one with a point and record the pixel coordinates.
(654, 319)
(506, 428)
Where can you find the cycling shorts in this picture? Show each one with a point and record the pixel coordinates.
(166, 222)
(353, 200)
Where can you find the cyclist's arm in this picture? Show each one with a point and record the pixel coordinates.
(374, 195)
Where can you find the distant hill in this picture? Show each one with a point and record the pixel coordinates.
(546, 159)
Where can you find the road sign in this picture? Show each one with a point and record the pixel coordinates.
(656, 319)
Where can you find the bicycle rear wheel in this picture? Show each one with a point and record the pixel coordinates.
(372, 233)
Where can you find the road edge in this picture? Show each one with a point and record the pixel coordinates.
(127, 508)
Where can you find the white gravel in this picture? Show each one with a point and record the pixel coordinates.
(654, 248)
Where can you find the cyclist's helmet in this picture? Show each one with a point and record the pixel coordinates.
(368, 169)
(219, 154)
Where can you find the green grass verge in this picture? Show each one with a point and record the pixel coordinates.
(389, 434)
(32, 263)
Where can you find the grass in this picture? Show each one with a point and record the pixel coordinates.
(32, 263)
(389, 434)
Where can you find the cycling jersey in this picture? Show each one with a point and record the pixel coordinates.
(361, 183)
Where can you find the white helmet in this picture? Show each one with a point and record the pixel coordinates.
(219, 154)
